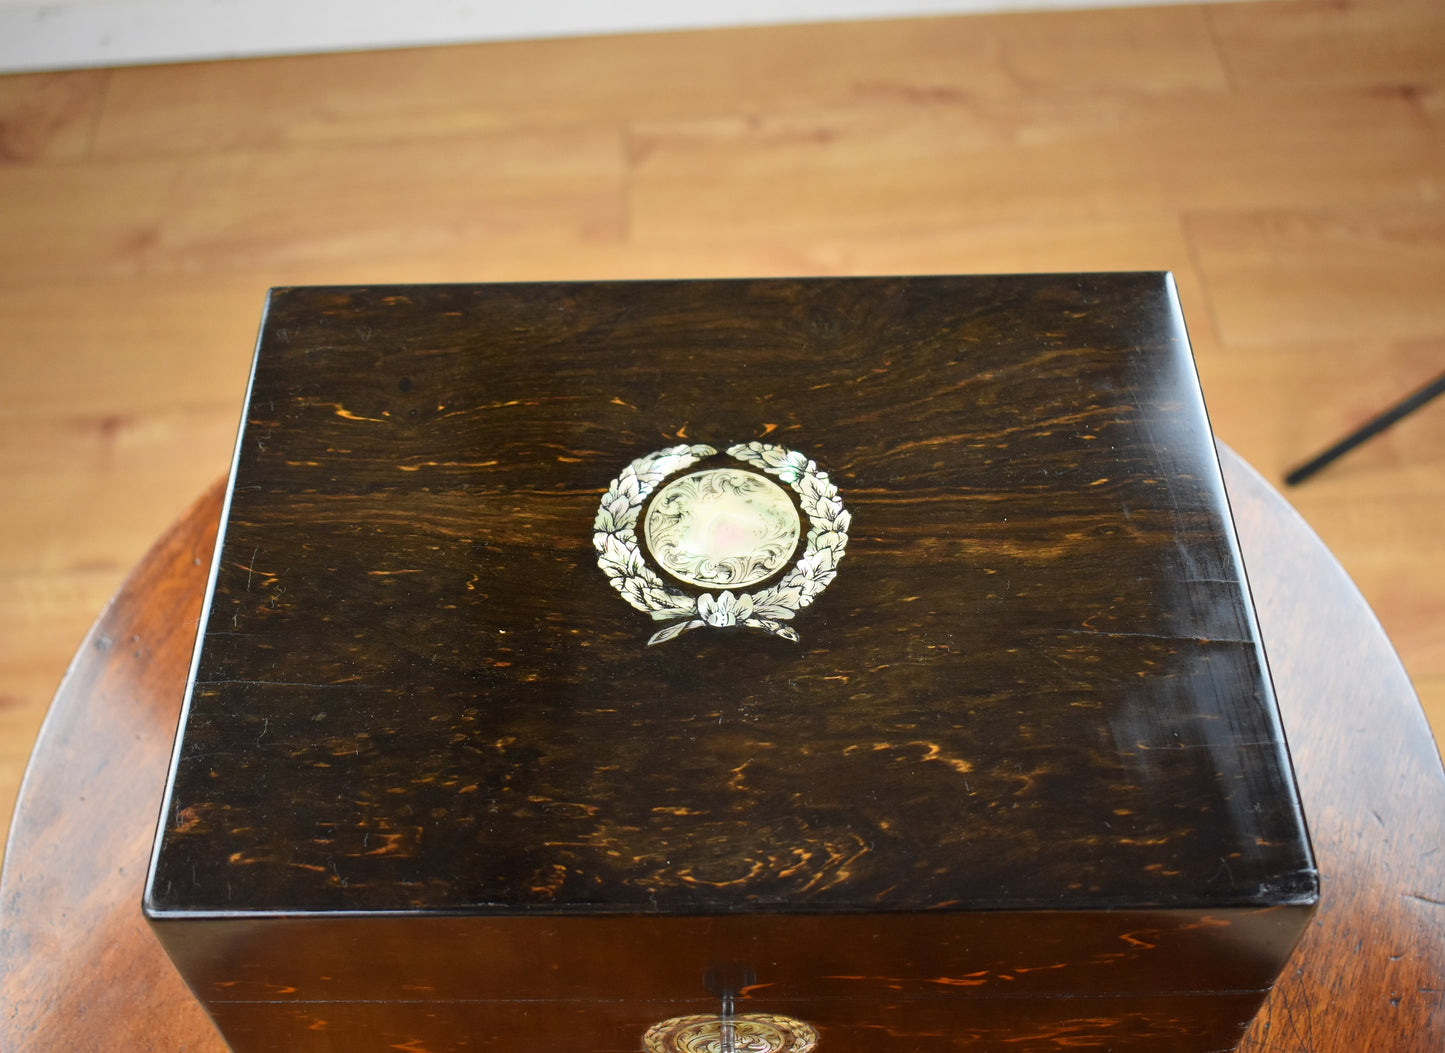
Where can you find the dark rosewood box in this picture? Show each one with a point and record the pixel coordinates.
(865, 663)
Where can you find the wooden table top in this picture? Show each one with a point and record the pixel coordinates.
(80, 970)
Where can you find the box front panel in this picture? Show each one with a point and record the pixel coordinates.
(1163, 1024)
(1178, 979)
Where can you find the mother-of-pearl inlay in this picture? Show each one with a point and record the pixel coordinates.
(722, 528)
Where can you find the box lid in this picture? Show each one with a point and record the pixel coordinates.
(1027, 676)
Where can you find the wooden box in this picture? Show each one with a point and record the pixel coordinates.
(865, 663)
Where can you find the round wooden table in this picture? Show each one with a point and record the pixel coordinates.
(79, 970)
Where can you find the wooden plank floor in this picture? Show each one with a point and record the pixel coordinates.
(1286, 160)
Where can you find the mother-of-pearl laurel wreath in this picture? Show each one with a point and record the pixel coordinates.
(620, 554)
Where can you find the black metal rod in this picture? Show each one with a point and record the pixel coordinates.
(1368, 430)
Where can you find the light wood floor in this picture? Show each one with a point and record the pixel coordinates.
(1286, 160)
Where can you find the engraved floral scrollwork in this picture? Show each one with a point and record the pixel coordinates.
(721, 528)
(744, 1033)
(620, 553)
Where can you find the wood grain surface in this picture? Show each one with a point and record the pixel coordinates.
(1033, 690)
(74, 948)
(80, 971)
(1283, 159)
(1367, 974)
(1037, 662)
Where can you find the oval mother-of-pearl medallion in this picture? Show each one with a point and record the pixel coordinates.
(722, 528)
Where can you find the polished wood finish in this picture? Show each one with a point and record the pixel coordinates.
(80, 970)
(1284, 159)
(417, 690)
(1367, 974)
(1034, 689)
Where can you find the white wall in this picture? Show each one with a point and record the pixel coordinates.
(63, 34)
